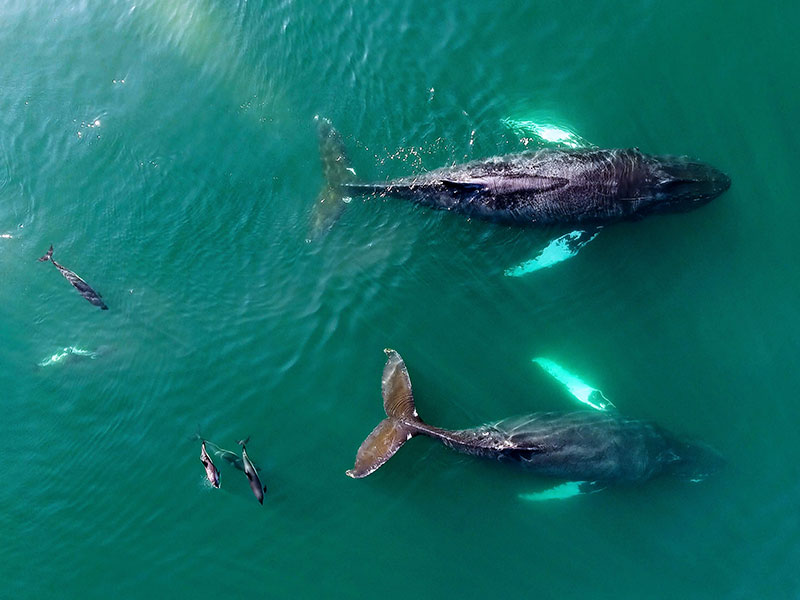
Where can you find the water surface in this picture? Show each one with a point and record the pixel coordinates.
(167, 149)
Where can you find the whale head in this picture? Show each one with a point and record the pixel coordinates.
(679, 184)
(692, 460)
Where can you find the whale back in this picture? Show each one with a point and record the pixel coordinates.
(584, 446)
(548, 186)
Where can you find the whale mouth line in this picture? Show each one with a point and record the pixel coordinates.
(690, 181)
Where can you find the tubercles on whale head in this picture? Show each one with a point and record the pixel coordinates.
(680, 184)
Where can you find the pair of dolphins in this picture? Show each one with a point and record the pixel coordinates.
(243, 464)
(585, 188)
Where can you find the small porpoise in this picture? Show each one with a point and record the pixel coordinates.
(597, 448)
(252, 474)
(550, 186)
(78, 283)
(211, 471)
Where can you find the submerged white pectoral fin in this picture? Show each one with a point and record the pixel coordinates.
(548, 133)
(559, 492)
(564, 490)
(582, 391)
(558, 250)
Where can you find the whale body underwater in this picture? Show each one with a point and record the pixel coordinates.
(576, 187)
(598, 448)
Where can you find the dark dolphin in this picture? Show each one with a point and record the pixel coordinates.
(78, 283)
(211, 471)
(252, 474)
(589, 446)
(551, 186)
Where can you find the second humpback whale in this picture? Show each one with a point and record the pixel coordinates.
(593, 447)
(575, 187)
(79, 284)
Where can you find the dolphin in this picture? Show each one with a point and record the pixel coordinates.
(595, 448)
(231, 457)
(252, 474)
(573, 186)
(78, 283)
(227, 455)
(211, 471)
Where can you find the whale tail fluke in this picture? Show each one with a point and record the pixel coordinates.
(48, 256)
(338, 172)
(399, 426)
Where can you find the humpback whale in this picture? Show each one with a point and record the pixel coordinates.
(575, 187)
(211, 471)
(597, 448)
(79, 284)
(252, 474)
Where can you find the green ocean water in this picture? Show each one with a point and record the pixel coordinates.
(167, 149)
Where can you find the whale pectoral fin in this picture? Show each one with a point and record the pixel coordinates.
(564, 490)
(577, 388)
(559, 492)
(558, 250)
(463, 187)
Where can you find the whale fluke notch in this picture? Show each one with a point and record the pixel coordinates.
(399, 426)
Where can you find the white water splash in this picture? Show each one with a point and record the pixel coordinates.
(63, 354)
(547, 133)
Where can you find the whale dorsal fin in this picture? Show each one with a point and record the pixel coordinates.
(463, 186)
(533, 184)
